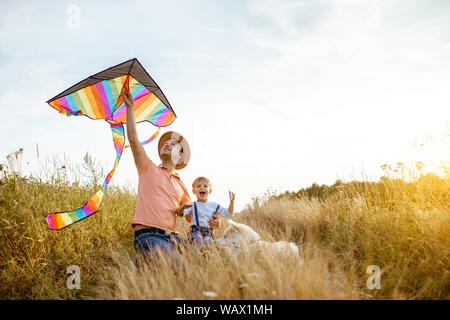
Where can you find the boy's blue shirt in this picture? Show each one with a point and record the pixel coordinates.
(205, 212)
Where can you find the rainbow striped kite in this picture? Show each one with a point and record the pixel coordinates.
(101, 97)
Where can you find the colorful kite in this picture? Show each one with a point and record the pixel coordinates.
(101, 97)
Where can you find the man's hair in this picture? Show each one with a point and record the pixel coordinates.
(200, 180)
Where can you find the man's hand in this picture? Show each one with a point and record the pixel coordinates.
(214, 223)
(128, 99)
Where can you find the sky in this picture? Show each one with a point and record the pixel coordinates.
(271, 95)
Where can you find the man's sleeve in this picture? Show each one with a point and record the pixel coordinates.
(144, 165)
(185, 197)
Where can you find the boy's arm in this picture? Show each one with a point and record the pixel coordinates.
(180, 209)
(214, 223)
(231, 205)
(136, 147)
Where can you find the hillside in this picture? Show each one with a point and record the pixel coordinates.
(401, 226)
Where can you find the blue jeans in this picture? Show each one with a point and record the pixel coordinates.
(149, 241)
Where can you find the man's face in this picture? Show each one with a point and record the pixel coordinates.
(171, 148)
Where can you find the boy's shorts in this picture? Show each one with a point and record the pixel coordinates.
(201, 235)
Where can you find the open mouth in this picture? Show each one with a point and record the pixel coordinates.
(202, 193)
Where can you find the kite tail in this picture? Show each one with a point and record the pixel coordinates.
(59, 220)
(150, 139)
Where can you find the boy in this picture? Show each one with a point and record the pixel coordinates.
(203, 210)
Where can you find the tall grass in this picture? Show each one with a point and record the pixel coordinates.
(401, 226)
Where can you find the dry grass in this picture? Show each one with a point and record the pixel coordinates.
(403, 227)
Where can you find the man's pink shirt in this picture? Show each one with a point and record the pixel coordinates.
(159, 194)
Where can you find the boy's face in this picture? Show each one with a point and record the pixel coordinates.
(202, 191)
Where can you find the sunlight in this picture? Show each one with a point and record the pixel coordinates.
(434, 151)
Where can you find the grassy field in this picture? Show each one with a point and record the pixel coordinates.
(401, 226)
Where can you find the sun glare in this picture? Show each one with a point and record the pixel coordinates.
(434, 152)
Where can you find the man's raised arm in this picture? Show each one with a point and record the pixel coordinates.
(136, 146)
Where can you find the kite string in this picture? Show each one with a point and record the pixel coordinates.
(125, 88)
(150, 139)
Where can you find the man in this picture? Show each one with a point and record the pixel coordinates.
(160, 189)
